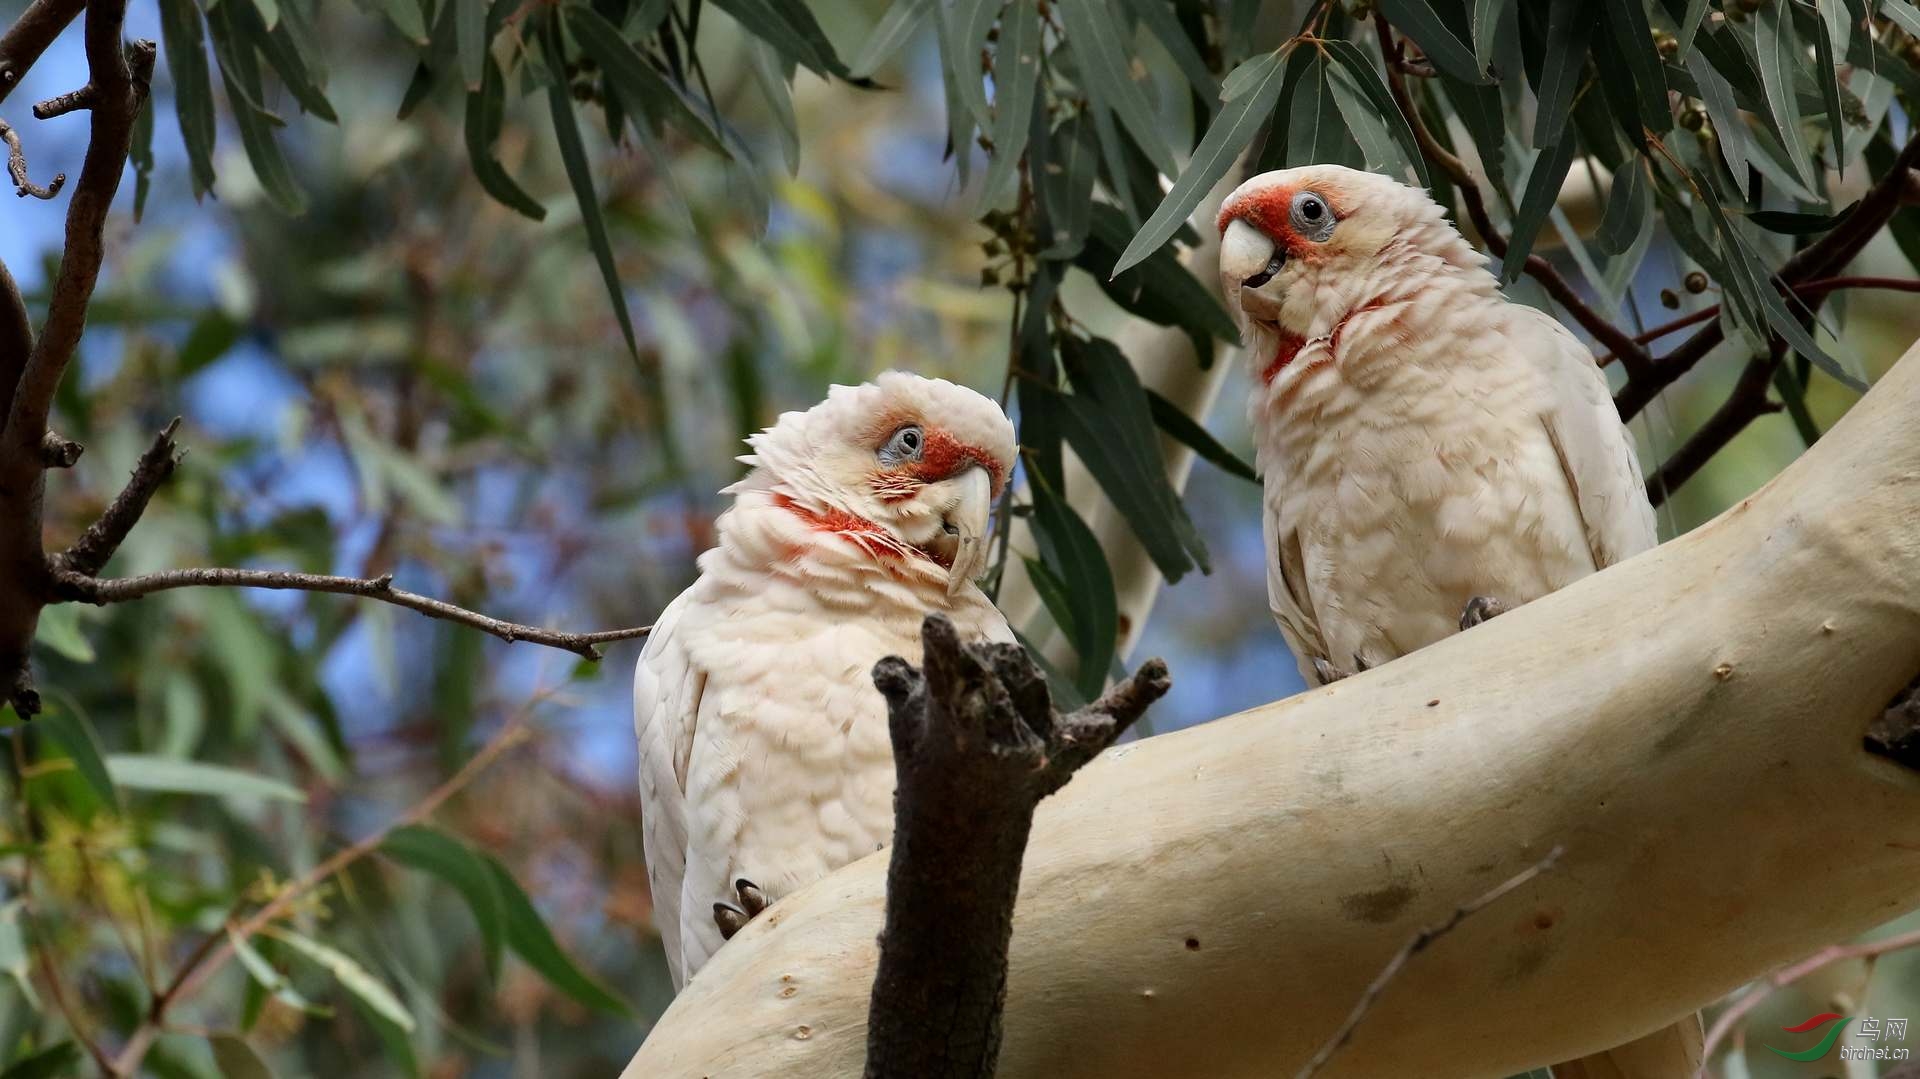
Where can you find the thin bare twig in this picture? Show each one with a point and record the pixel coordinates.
(1808, 291)
(103, 537)
(1420, 942)
(217, 947)
(17, 168)
(59, 452)
(104, 590)
(1726, 1022)
(71, 101)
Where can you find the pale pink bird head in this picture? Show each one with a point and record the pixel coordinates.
(907, 467)
(1302, 248)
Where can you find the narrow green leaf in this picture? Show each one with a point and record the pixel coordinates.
(1160, 20)
(263, 974)
(1065, 184)
(1778, 52)
(1073, 563)
(528, 936)
(968, 22)
(1486, 22)
(285, 59)
(1366, 79)
(1628, 207)
(450, 860)
(1157, 288)
(59, 629)
(165, 774)
(1418, 20)
(483, 120)
(1569, 29)
(1789, 223)
(407, 18)
(789, 27)
(1793, 394)
(233, 1056)
(1689, 25)
(1105, 65)
(763, 62)
(960, 122)
(181, 30)
(1480, 112)
(1827, 74)
(140, 153)
(1366, 126)
(70, 728)
(352, 976)
(1903, 15)
(1316, 133)
(470, 37)
(573, 154)
(1627, 19)
(1188, 432)
(1110, 425)
(895, 28)
(1543, 190)
(240, 71)
(1016, 78)
(639, 82)
(1229, 133)
(61, 1058)
(1729, 127)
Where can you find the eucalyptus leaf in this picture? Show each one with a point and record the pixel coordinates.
(527, 934)
(1569, 27)
(1777, 47)
(894, 29)
(1109, 73)
(139, 772)
(1016, 78)
(573, 154)
(181, 30)
(445, 857)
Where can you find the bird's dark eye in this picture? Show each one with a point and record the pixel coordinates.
(904, 445)
(1311, 217)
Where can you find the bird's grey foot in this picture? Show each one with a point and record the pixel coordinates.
(1329, 674)
(732, 919)
(1480, 609)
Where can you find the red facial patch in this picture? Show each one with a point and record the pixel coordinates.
(1269, 211)
(945, 456)
(875, 540)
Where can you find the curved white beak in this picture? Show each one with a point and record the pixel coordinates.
(1246, 253)
(966, 507)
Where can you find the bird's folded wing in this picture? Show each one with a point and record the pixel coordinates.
(667, 690)
(1596, 452)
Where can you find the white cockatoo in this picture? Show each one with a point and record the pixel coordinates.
(765, 761)
(1431, 453)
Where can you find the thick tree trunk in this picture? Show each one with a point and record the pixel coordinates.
(1687, 724)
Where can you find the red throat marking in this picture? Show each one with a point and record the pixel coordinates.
(1290, 346)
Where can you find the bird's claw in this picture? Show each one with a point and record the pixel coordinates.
(1479, 609)
(1329, 674)
(732, 919)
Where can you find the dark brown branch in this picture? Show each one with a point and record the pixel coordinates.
(75, 587)
(1822, 258)
(1808, 291)
(17, 168)
(1746, 403)
(1610, 336)
(116, 85)
(89, 553)
(976, 746)
(71, 101)
(1421, 941)
(59, 452)
(30, 35)
(16, 337)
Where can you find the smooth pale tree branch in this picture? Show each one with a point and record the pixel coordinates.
(1688, 723)
(30, 35)
(104, 590)
(1604, 331)
(1420, 942)
(977, 745)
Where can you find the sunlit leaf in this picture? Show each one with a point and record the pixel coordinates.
(894, 29)
(356, 979)
(135, 771)
(59, 629)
